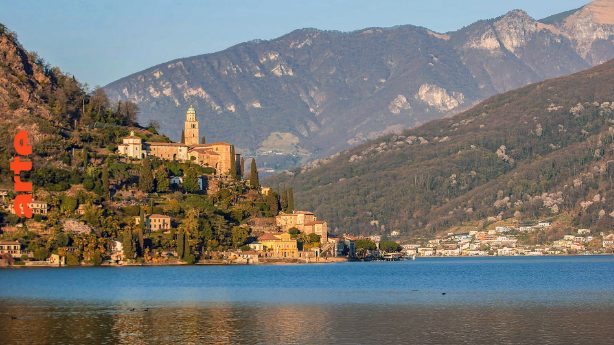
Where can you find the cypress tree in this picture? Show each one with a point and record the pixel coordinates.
(202, 140)
(183, 136)
(242, 166)
(141, 218)
(254, 181)
(290, 200)
(180, 244)
(86, 158)
(233, 163)
(141, 243)
(146, 179)
(128, 244)
(187, 252)
(273, 203)
(106, 188)
(283, 196)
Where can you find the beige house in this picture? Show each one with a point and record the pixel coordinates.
(317, 227)
(279, 245)
(155, 222)
(12, 248)
(296, 219)
(132, 146)
(219, 155)
(305, 221)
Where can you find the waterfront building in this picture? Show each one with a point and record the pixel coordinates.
(13, 248)
(279, 245)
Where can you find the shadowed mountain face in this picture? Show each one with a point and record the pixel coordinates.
(312, 93)
(544, 151)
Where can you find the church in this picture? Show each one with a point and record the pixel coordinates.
(219, 155)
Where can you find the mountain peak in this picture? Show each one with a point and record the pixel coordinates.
(602, 11)
(517, 13)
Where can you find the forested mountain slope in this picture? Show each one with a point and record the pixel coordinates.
(545, 150)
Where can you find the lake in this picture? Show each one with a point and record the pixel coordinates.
(491, 300)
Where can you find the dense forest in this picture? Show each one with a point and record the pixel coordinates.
(544, 151)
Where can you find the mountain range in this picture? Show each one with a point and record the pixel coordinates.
(312, 93)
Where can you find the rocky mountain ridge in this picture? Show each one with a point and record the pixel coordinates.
(312, 93)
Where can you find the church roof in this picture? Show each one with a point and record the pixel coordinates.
(217, 143)
(164, 144)
(203, 150)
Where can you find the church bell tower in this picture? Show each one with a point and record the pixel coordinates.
(190, 129)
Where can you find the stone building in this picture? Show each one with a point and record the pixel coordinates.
(12, 248)
(279, 245)
(296, 219)
(155, 222)
(132, 146)
(317, 227)
(219, 155)
(304, 221)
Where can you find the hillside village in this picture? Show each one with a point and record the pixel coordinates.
(164, 203)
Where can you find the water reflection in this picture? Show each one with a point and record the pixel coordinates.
(61, 323)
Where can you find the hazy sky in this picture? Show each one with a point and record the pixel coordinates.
(101, 41)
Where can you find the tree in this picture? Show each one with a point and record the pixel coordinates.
(106, 189)
(190, 224)
(163, 184)
(190, 181)
(294, 232)
(146, 179)
(254, 181)
(202, 140)
(129, 244)
(242, 166)
(183, 136)
(283, 200)
(180, 244)
(272, 202)
(67, 203)
(239, 236)
(86, 158)
(389, 246)
(290, 207)
(141, 244)
(233, 163)
(365, 244)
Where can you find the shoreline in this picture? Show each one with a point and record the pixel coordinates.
(284, 263)
(205, 263)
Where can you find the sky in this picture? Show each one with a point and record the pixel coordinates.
(104, 40)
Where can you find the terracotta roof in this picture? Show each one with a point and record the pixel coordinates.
(164, 144)
(315, 222)
(212, 144)
(268, 236)
(10, 242)
(203, 150)
(158, 216)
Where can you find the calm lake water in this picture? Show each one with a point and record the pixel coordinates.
(514, 300)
